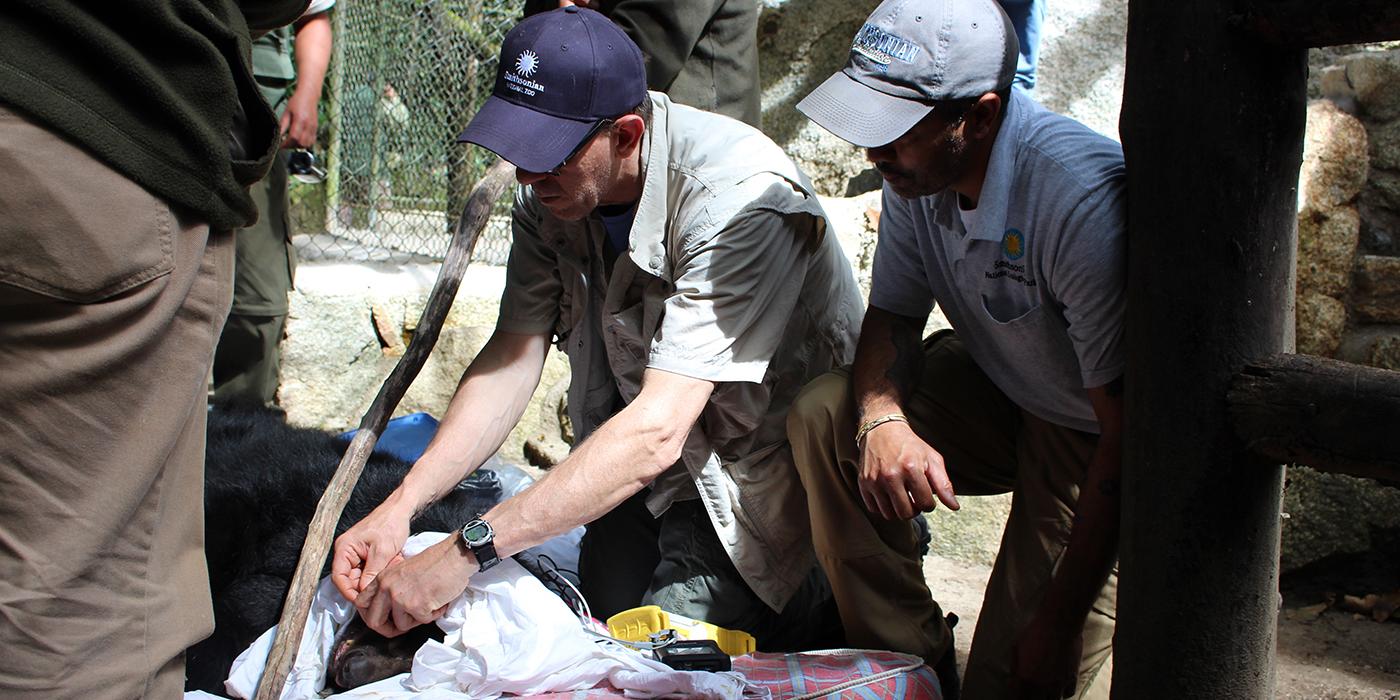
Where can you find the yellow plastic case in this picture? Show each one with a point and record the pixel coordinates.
(638, 624)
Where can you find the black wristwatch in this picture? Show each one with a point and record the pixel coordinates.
(480, 539)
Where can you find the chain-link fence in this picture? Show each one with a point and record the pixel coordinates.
(406, 77)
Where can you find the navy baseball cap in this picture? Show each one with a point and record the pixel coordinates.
(561, 73)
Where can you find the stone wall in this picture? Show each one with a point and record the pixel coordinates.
(1362, 85)
(1348, 285)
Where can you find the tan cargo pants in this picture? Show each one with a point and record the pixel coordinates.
(990, 446)
(110, 304)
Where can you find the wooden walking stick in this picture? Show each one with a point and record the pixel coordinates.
(337, 493)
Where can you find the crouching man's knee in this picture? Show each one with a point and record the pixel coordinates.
(821, 405)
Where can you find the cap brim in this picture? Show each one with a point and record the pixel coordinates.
(860, 114)
(530, 140)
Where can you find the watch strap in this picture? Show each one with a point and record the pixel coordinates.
(483, 550)
(485, 556)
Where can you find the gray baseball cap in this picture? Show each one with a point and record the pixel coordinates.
(910, 54)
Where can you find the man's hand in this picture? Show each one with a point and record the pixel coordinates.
(587, 4)
(312, 47)
(368, 548)
(1045, 661)
(900, 475)
(299, 120)
(417, 590)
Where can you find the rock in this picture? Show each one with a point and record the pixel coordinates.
(1380, 227)
(1327, 244)
(850, 216)
(1385, 145)
(1082, 50)
(1369, 344)
(1385, 351)
(1321, 321)
(800, 45)
(857, 221)
(973, 532)
(868, 180)
(391, 333)
(1376, 297)
(1334, 158)
(348, 325)
(1373, 76)
(545, 451)
(556, 437)
(1333, 513)
(1385, 189)
(1334, 86)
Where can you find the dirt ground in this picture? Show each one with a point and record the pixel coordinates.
(1328, 654)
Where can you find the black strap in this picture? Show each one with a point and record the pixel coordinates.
(485, 556)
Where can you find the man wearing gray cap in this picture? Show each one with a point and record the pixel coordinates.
(685, 266)
(1012, 220)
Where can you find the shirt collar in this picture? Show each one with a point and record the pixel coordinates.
(647, 246)
(995, 199)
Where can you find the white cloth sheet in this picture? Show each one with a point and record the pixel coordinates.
(506, 634)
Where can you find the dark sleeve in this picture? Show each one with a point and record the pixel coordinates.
(665, 30)
(534, 7)
(265, 15)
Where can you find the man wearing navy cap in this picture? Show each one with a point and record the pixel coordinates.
(686, 267)
(1012, 220)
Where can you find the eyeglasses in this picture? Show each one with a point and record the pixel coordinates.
(597, 128)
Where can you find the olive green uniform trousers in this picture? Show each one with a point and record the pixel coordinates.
(247, 362)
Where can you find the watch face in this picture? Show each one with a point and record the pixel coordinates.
(476, 531)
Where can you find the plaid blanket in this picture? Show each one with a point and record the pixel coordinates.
(813, 673)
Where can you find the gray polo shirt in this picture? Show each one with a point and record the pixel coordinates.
(1036, 288)
(731, 275)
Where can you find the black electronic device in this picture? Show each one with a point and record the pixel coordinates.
(693, 655)
(302, 165)
(478, 537)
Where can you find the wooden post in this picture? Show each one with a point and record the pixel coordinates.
(1332, 416)
(1212, 129)
(1309, 23)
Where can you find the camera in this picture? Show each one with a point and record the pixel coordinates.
(302, 165)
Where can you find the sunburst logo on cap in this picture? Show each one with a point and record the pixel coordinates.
(527, 63)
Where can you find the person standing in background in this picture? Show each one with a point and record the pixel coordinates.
(1026, 17)
(246, 362)
(701, 53)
